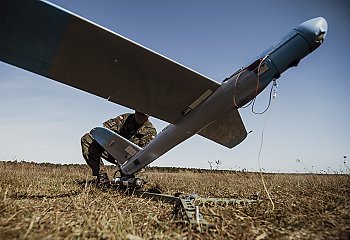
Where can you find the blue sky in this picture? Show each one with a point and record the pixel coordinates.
(42, 120)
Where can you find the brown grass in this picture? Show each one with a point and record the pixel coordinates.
(46, 201)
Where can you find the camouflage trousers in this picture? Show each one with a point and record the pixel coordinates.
(92, 153)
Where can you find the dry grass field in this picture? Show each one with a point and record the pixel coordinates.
(47, 201)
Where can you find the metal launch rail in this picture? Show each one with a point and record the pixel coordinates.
(185, 205)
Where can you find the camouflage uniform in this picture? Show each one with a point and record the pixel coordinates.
(124, 125)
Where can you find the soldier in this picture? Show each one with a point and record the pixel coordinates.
(134, 127)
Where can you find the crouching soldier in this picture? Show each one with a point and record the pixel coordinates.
(134, 127)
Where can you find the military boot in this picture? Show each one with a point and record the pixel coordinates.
(102, 180)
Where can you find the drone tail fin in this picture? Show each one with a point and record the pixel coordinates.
(117, 146)
(228, 130)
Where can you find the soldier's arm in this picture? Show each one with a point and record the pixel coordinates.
(115, 124)
(143, 137)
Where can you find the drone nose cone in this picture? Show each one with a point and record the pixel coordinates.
(314, 30)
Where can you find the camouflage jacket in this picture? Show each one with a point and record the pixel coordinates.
(126, 126)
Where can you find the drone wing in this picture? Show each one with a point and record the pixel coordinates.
(50, 41)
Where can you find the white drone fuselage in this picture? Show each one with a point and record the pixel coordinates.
(234, 92)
